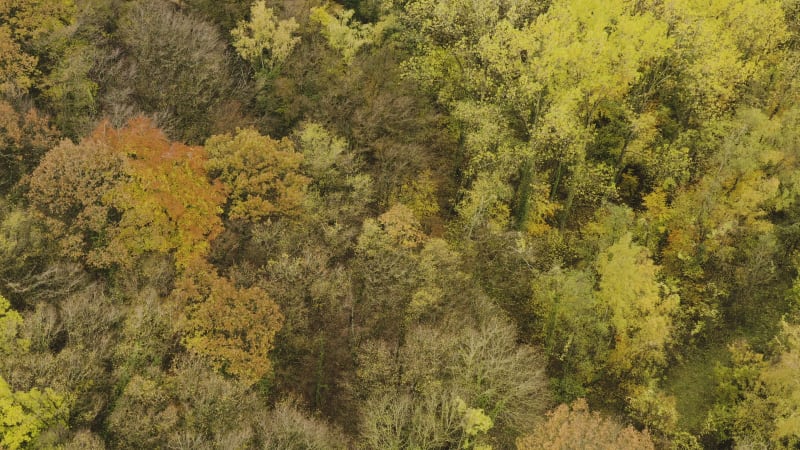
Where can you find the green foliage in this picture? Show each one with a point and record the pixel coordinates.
(10, 321)
(757, 398)
(474, 422)
(573, 335)
(24, 414)
(70, 91)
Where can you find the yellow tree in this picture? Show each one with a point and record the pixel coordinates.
(264, 41)
(638, 307)
(261, 174)
(234, 327)
(24, 415)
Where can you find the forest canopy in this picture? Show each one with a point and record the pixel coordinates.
(399, 224)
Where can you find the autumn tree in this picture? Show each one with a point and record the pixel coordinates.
(137, 194)
(574, 426)
(25, 414)
(24, 139)
(638, 307)
(233, 327)
(264, 41)
(261, 174)
(450, 386)
(133, 192)
(757, 397)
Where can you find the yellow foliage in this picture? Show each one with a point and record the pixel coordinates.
(265, 41)
(262, 175)
(343, 33)
(233, 327)
(639, 308)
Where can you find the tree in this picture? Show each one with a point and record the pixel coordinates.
(18, 68)
(718, 237)
(33, 34)
(264, 41)
(262, 175)
(234, 327)
(573, 336)
(287, 426)
(639, 309)
(386, 267)
(24, 415)
(174, 68)
(24, 138)
(449, 384)
(343, 34)
(574, 426)
(548, 77)
(122, 193)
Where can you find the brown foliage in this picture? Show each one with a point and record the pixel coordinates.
(24, 138)
(574, 427)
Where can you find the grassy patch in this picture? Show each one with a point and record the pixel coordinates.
(692, 383)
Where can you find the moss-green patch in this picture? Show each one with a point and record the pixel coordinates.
(692, 382)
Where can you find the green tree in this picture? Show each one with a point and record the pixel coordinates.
(27, 414)
(24, 415)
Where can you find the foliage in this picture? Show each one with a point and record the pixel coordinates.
(157, 190)
(174, 68)
(27, 414)
(574, 426)
(638, 308)
(264, 41)
(261, 174)
(234, 327)
(24, 415)
(412, 223)
(342, 33)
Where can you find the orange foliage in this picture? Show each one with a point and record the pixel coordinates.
(234, 327)
(575, 427)
(167, 205)
(122, 193)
